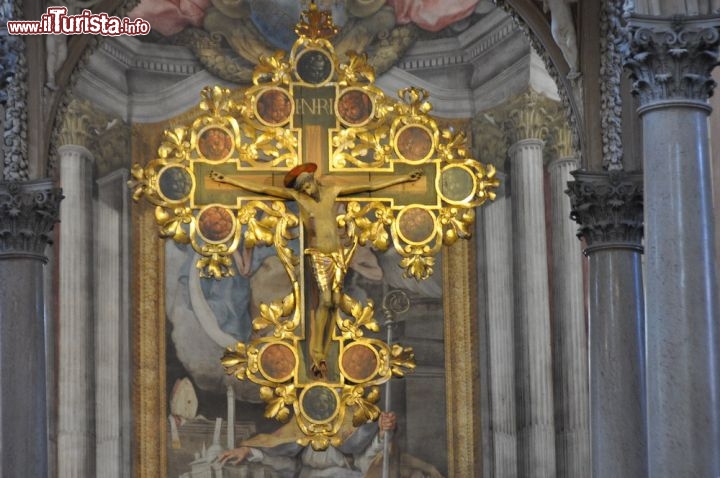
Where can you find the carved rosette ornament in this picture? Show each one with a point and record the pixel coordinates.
(671, 59)
(28, 212)
(608, 206)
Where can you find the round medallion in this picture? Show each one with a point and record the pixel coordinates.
(457, 184)
(175, 183)
(277, 362)
(354, 107)
(216, 224)
(274, 107)
(359, 362)
(314, 67)
(416, 225)
(414, 143)
(319, 403)
(215, 144)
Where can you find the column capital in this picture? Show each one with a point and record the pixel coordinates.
(528, 116)
(561, 141)
(84, 125)
(608, 206)
(490, 143)
(28, 212)
(670, 59)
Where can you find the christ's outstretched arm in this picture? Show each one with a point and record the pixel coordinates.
(376, 186)
(278, 192)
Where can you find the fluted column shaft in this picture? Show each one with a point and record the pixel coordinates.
(569, 331)
(112, 349)
(501, 335)
(28, 212)
(671, 60)
(536, 431)
(76, 371)
(608, 208)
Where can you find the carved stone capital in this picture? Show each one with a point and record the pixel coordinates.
(561, 141)
(608, 206)
(100, 136)
(28, 212)
(670, 59)
(490, 144)
(528, 116)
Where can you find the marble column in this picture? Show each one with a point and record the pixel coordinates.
(28, 212)
(608, 207)
(533, 359)
(75, 348)
(112, 347)
(570, 349)
(670, 60)
(497, 229)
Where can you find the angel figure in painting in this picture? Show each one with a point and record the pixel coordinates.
(328, 257)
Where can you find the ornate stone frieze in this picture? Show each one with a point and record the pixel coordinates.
(608, 206)
(611, 36)
(13, 96)
(28, 212)
(671, 58)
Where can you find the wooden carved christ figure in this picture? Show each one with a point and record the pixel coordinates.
(324, 249)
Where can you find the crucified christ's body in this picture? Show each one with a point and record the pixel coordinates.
(324, 248)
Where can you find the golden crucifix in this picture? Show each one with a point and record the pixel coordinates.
(317, 133)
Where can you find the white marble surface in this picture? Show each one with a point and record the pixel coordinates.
(536, 429)
(501, 337)
(75, 353)
(570, 349)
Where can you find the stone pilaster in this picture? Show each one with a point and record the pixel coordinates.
(76, 375)
(497, 224)
(526, 123)
(112, 324)
(570, 348)
(28, 212)
(670, 60)
(609, 207)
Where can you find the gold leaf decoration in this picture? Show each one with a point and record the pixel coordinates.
(278, 400)
(316, 24)
(402, 360)
(272, 69)
(172, 221)
(365, 408)
(235, 361)
(356, 70)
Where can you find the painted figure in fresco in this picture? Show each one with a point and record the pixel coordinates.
(360, 455)
(328, 256)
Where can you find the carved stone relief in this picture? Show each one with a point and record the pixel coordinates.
(608, 206)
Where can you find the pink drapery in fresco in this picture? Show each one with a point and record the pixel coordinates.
(169, 17)
(431, 15)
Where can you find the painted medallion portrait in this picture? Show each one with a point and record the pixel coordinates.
(314, 67)
(215, 144)
(274, 107)
(319, 403)
(354, 107)
(414, 143)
